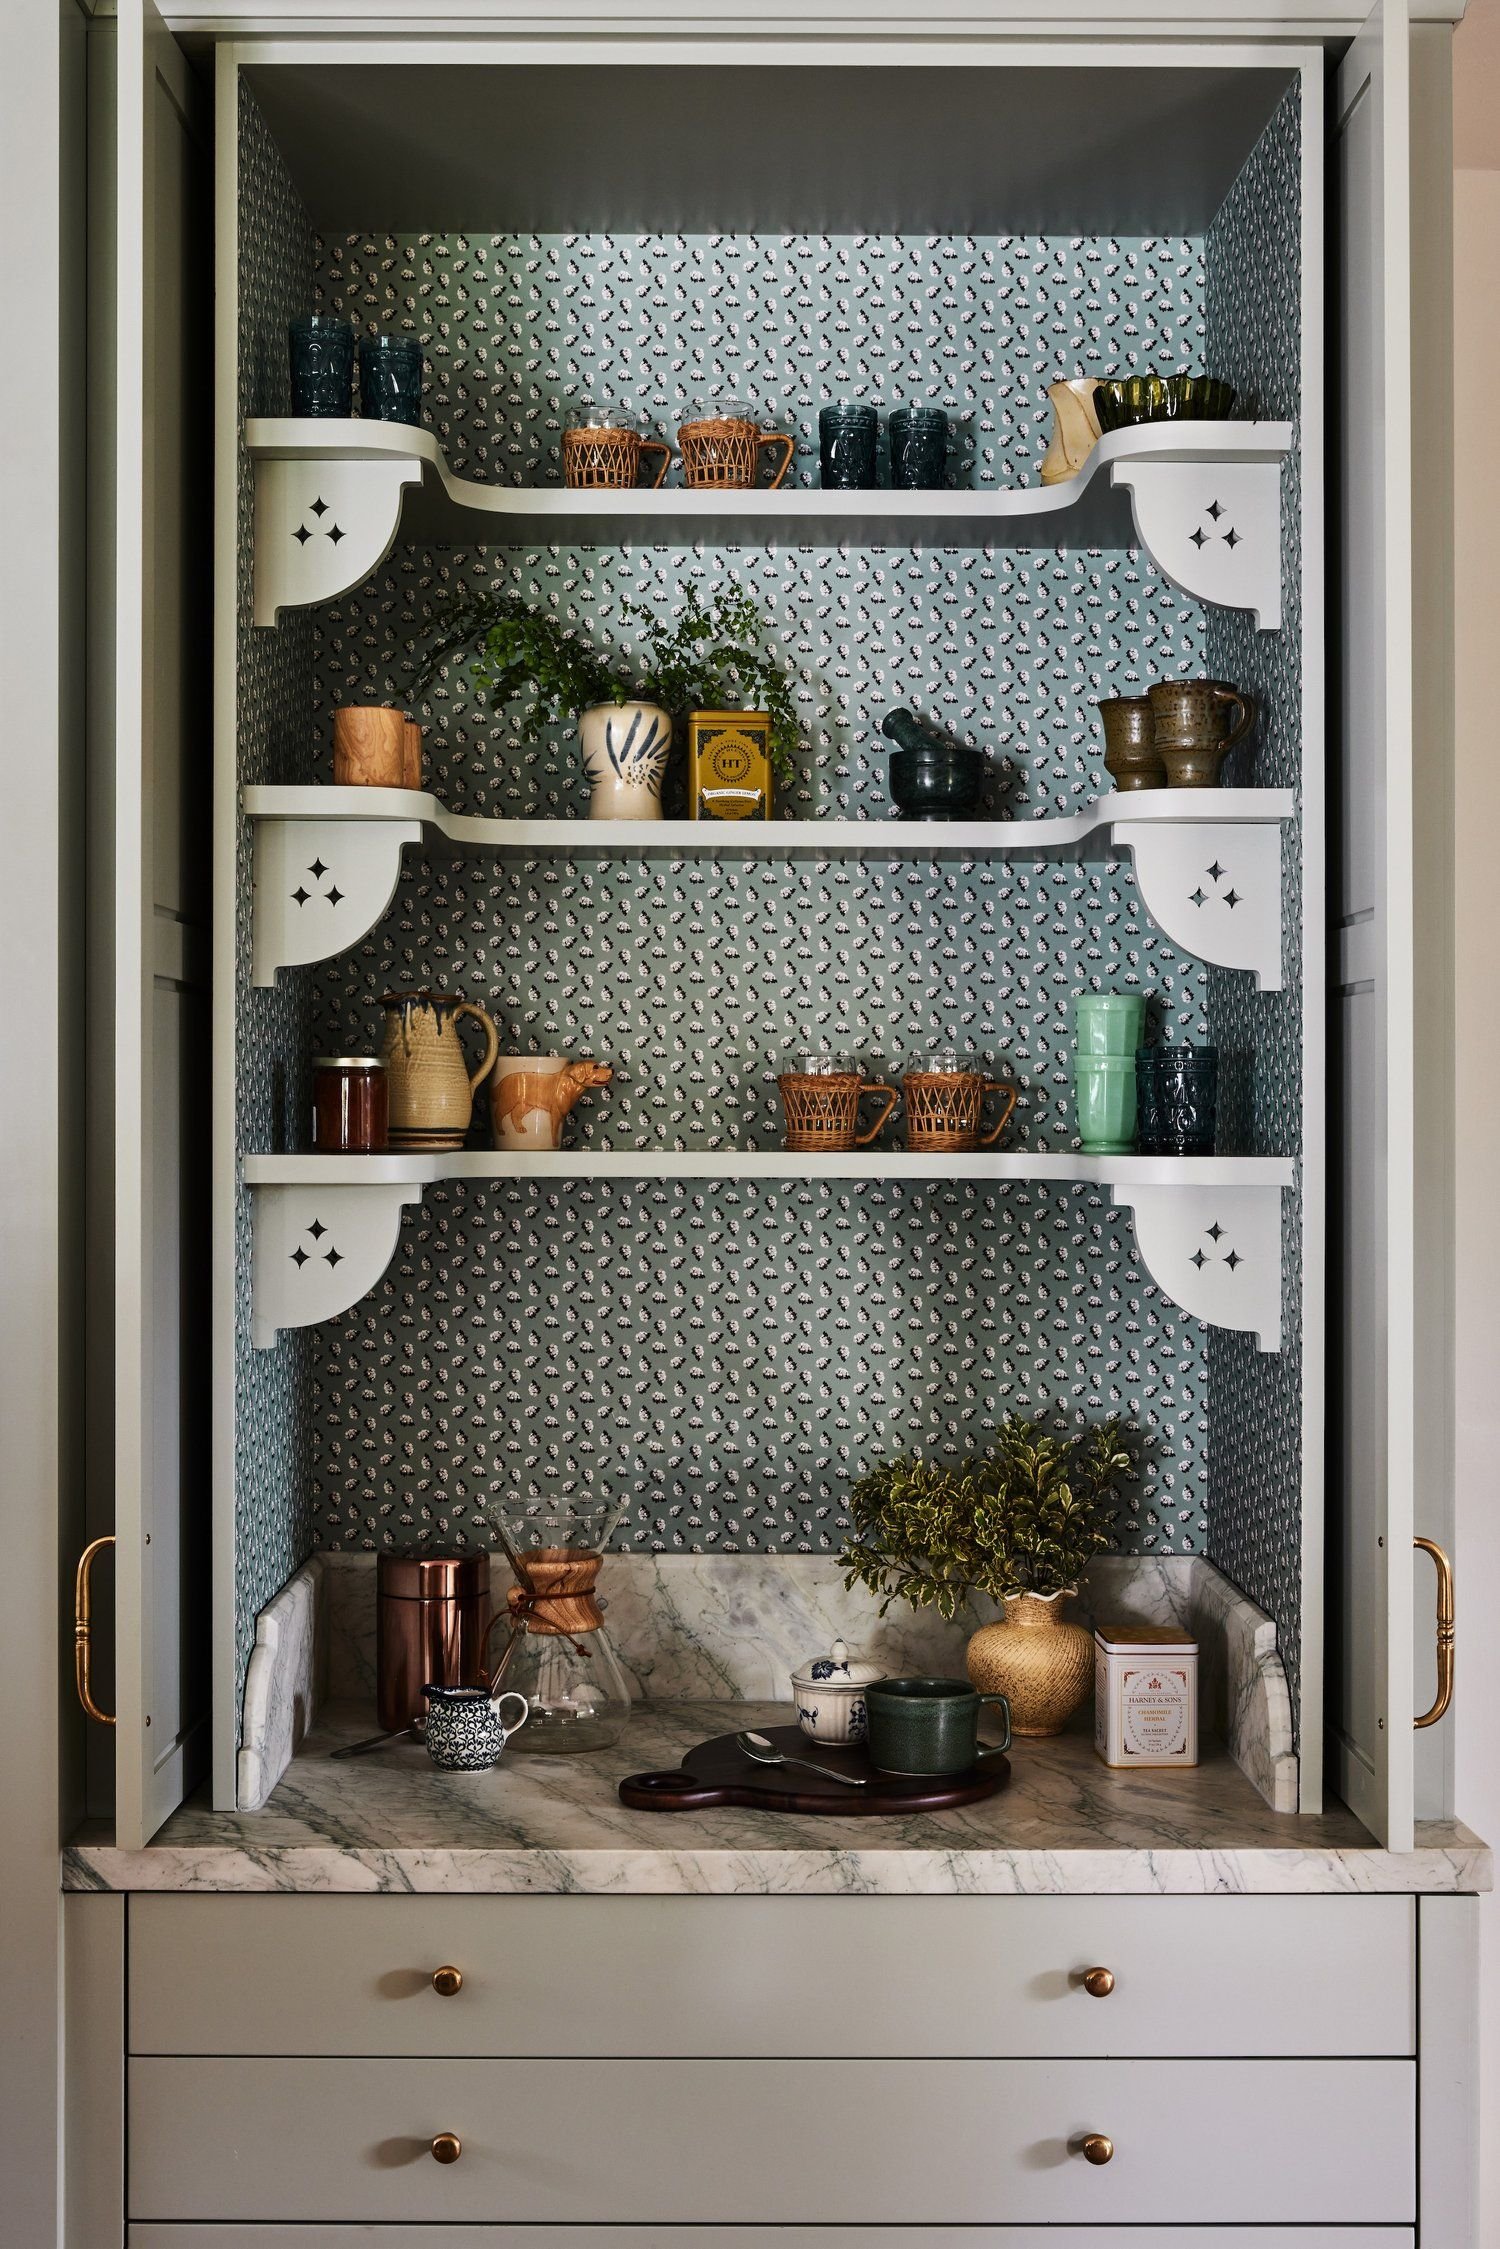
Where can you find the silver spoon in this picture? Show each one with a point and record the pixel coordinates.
(763, 1752)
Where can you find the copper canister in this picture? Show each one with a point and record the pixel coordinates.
(431, 1614)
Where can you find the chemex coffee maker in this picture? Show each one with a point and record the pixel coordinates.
(557, 1651)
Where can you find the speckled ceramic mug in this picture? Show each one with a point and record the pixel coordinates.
(1197, 722)
(929, 1726)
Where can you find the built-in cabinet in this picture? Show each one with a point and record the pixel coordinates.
(806, 208)
(975, 263)
(700, 961)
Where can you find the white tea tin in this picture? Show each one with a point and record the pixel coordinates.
(1145, 1695)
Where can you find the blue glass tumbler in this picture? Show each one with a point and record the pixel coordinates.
(321, 345)
(390, 378)
(848, 442)
(919, 448)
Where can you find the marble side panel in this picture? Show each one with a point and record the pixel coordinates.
(284, 1683)
(733, 1627)
(1064, 1826)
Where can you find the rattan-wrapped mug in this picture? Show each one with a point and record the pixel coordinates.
(721, 448)
(821, 1102)
(945, 1108)
(601, 452)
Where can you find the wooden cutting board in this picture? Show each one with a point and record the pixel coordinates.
(718, 1772)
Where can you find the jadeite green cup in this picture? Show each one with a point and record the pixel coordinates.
(1106, 1103)
(1110, 1022)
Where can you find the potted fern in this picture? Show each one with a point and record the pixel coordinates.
(1018, 1523)
(701, 656)
(530, 657)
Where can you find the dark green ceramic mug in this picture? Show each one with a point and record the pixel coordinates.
(929, 1726)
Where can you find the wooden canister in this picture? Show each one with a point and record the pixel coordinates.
(411, 756)
(369, 747)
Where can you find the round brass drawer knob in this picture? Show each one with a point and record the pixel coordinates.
(448, 2147)
(1099, 1983)
(446, 1981)
(1095, 2148)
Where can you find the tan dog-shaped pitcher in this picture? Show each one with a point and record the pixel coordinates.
(531, 1094)
(431, 1085)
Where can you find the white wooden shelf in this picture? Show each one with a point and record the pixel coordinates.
(1208, 861)
(1208, 1228)
(1203, 498)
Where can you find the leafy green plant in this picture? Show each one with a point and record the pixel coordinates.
(709, 656)
(712, 657)
(1023, 1518)
(526, 656)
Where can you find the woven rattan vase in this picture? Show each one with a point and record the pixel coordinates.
(1042, 1663)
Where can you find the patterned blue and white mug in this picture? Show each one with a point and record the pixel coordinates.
(465, 1728)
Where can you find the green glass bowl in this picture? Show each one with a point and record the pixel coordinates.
(1162, 398)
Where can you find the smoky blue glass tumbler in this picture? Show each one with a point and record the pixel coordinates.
(848, 445)
(919, 448)
(1178, 1100)
(322, 355)
(390, 379)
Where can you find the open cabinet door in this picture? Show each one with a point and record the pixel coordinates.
(1370, 1684)
(158, 489)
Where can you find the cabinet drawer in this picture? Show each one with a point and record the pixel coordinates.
(746, 1977)
(790, 2142)
(769, 2237)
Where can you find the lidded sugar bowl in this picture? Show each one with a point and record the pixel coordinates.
(829, 1692)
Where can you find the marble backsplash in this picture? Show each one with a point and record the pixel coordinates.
(707, 1627)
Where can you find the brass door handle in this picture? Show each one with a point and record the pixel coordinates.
(447, 1981)
(1094, 2147)
(447, 2148)
(1445, 1633)
(83, 1630)
(1098, 1982)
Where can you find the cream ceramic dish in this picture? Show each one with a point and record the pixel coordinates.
(829, 1694)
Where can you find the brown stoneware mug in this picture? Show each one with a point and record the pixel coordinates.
(1198, 721)
(1131, 758)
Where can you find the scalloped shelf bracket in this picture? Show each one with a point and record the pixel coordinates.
(1216, 1251)
(318, 1250)
(1213, 884)
(321, 885)
(1214, 528)
(1213, 888)
(322, 525)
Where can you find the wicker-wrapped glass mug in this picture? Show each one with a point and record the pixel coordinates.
(945, 1107)
(721, 447)
(602, 448)
(821, 1099)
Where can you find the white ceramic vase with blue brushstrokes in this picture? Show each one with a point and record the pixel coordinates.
(625, 751)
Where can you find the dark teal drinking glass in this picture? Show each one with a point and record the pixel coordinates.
(1177, 1090)
(390, 378)
(919, 448)
(322, 354)
(848, 443)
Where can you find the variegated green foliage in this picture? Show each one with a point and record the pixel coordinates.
(1023, 1518)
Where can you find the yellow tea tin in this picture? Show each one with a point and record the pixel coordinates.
(729, 765)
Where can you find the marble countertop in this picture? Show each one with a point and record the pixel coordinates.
(1066, 1825)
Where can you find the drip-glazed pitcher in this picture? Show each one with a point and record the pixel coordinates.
(431, 1085)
